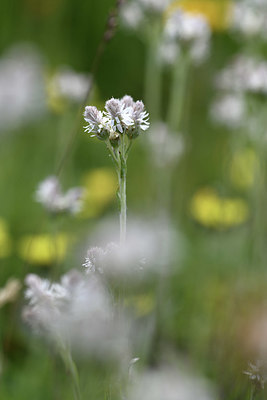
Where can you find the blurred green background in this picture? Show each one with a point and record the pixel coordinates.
(218, 289)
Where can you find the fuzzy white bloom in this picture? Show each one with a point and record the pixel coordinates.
(150, 247)
(249, 18)
(132, 15)
(50, 195)
(121, 116)
(228, 110)
(169, 384)
(70, 84)
(77, 310)
(158, 6)
(244, 74)
(187, 31)
(166, 148)
(22, 87)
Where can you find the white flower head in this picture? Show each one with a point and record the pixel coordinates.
(22, 87)
(77, 310)
(185, 30)
(50, 195)
(244, 74)
(228, 110)
(70, 84)
(132, 15)
(150, 248)
(121, 116)
(169, 384)
(249, 18)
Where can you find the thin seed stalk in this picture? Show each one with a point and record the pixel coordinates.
(72, 369)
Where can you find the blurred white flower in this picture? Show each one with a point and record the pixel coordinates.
(244, 74)
(78, 310)
(22, 87)
(50, 195)
(257, 373)
(169, 384)
(149, 247)
(10, 291)
(70, 84)
(229, 110)
(131, 15)
(249, 18)
(186, 31)
(166, 148)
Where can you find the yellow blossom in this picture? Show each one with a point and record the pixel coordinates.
(100, 186)
(215, 11)
(43, 249)
(210, 210)
(5, 241)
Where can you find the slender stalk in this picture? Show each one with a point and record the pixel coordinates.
(122, 175)
(177, 96)
(72, 369)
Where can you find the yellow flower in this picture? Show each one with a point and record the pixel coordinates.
(216, 12)
(210, 210)
(5, 241)
(100, 187)
(243, 168)
(43, 249)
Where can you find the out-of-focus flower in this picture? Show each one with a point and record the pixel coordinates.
(43, 249)
(122, 116)
(212, 211)
(229, 110)
(22, 87)
(100, 186)
(257, 373)
(5, 241)
(49, 194)
(135, 12)
(215, 12)
(166, 148)
(149, 247)
(249, 18)
(189, 32)
(10, 291)
(244, 74)
(76, 310)
(243, 168)
(69, 84)
(169, 384)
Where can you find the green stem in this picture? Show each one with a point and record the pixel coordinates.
(72, 369)
(122, 175)
(177, 96)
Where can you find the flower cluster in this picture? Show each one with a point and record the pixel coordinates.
(257, 374)
(249, 18)
(77, 310)
(229, 110)
(121, 116)
(185, 31)
(133, 13)
(244, 74)
(169, 383)
(49, 194)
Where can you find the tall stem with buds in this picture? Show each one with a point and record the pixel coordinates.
(122, 121)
